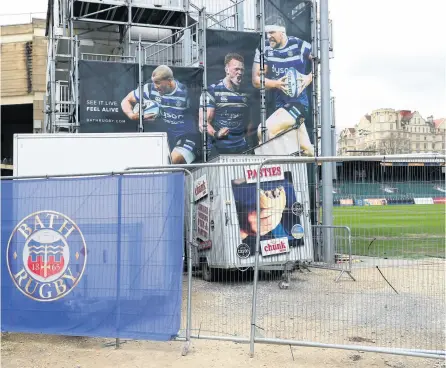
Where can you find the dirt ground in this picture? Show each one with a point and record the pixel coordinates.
(314, 308)
(36, 351)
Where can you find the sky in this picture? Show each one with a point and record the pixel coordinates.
(387, 54)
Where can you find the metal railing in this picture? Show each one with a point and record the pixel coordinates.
(179, 49)
(109, 58)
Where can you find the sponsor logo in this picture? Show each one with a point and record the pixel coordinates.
(267, 173)
(243, 251)
(200, 188)
(297, 209)
(223, 99)
(346, 202)
(297, 231)
(167, 116)
(274, 246)
(279, 71)
(375, 202)
(46, 255)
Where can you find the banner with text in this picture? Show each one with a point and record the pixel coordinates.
(98, 257)
(281, 226)
(110, 98)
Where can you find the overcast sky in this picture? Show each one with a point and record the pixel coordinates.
(387, 53)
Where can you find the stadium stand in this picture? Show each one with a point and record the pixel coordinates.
(393, 193)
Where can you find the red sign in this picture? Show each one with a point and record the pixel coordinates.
(202, 221)
(267, 173)
(440, 200)
(274, 246)
(200, 188)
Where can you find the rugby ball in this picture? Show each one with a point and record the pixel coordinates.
(292, 82)
(149, 107)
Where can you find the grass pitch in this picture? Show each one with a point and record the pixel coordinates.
(408, 231)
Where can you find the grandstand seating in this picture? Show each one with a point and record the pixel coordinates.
(397, 192)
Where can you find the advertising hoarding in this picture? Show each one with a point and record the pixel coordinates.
(279, 213)
(109, 92)
(232, 102)
(110, 97)
(288, 72)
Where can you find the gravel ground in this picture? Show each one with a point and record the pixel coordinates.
(406, 311)
(34, 351)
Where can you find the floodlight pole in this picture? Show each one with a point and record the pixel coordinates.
(327, 173)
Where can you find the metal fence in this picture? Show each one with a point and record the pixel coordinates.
(384, 291)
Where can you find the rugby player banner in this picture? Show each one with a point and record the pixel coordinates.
(288, 72)
(233, 76)
(110, 98)
(280, 211)
(93, 256)
(232, 102)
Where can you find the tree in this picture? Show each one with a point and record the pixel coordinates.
(394, 143)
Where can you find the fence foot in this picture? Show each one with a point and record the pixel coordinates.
(117, 343)
(185, 348)
(347, 272)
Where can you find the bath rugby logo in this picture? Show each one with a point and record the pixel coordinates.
(46, 256)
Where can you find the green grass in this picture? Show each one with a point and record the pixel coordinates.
(408, 231)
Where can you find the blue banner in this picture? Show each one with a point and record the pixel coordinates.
(96, 256)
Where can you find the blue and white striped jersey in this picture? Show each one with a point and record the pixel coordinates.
(231, 111)
(295, 54)
(175, 117)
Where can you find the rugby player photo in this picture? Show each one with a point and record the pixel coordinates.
(286, 59)
(228, 110)
(166, 106)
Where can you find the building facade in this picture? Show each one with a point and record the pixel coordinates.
(389, 131)
(23, 81)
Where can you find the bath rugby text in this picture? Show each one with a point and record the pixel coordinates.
(43, 290)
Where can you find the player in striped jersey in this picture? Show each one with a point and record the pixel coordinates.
(282, 53)
(174, 117)
(228, 110)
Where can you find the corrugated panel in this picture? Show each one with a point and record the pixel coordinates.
(226, 234)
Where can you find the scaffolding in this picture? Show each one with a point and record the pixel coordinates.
(170, 32)
(154, 32)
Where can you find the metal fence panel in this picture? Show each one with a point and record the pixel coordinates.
(396, 298)
(223, 255)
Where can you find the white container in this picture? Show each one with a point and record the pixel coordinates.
(71, 153)
(225, 197)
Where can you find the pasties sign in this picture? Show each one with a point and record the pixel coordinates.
(267, 173)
